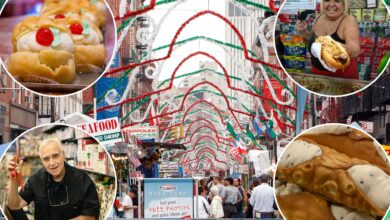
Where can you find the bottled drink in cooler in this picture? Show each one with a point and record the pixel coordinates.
(387, 30)
(374, 31)
(362, 29)
(380, 30)
(368, 29)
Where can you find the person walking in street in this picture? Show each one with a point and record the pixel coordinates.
(230, 197)
(262, 199)
(240, 203)
(217, 182)
(216, 208)
(203, 204)
(127, 204)
(203, 183)
(249, 210)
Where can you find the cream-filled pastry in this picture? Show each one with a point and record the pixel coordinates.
(43, 47)
(89, 51)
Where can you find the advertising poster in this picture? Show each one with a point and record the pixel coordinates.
(168, 198)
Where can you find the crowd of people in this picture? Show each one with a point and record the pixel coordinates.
(227, 198)
(216, 198)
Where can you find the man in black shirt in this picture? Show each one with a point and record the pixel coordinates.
(58, 190)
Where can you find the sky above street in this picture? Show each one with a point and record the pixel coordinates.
(206, 25)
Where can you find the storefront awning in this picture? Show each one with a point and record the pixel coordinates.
(163, 145)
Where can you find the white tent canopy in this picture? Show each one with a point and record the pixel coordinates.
(76, 118)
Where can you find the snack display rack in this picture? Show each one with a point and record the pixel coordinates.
(168, 169)
(81, 152)
(374, 28)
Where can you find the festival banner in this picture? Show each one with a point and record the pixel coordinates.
(109, 91)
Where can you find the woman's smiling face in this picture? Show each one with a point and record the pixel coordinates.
(333, 8)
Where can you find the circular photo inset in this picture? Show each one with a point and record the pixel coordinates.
(333, 47)
(333, 171)
(56, 172)
(56, 47)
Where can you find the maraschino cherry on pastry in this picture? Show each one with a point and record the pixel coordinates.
(90, 52)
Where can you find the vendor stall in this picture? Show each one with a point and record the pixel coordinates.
(294, 54)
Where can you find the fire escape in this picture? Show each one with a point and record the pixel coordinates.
(370, 102)
(143, 83)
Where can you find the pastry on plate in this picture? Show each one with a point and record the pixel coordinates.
(352, 182)
(43, 48)
(89, 52)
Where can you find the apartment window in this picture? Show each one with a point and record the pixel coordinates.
(235, 11)
(14, 91)
(3, 78)
(14, 95)
(3, 109)
(27, 99)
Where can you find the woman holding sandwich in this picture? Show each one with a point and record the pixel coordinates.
(335, 22)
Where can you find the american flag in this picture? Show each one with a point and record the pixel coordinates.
(235, 152)
(135, 161)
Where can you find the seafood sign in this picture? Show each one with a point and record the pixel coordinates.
(106, 131)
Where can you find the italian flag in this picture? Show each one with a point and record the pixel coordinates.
(240, 147)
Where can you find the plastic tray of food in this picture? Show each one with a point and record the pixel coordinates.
(328, 85)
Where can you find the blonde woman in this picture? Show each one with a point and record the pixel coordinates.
(343, 28)
(216, 208)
